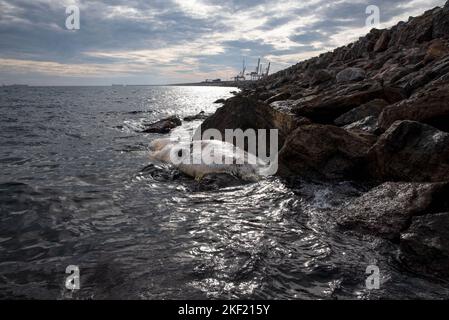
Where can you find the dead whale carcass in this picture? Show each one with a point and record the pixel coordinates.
(199, 158)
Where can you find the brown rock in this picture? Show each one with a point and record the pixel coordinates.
(382, 42)
(247, 113)
(322, 151)
(438, 48)
(410, 151)
(431, 107)
(330, 105)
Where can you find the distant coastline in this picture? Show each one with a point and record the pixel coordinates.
(238, 84)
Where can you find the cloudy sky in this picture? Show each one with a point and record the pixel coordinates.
(169, 41)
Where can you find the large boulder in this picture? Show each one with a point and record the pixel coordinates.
(321, 76)
(325, 107)
(425, 245)
(163, 126)
(410, 151)
(322, 151)
(437, 49)
(247, 113)
(351, 74)
(431, 107)
(387, 210)
(369, 109)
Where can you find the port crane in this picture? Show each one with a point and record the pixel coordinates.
(241, 75)
(255, 75)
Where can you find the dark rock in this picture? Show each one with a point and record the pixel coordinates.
(372, 108)
(328, 106)
(431, 107)
(163, 126)
(351, 74)
(382, 42)
(200, 116)
(425, 245)
(220, 101)
(279, 97)
(417, 30)
(216, 181)
(410, 151)
(321, 76)
(247, 113)
(424, 75)
(322, 151)
(437, 49)
(387, 210)
(368, 124)
(441, 23)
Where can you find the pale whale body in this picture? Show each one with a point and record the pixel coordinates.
(181, 155)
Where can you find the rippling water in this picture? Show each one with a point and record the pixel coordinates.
(77, 187)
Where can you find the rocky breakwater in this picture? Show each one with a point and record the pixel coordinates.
(376, 111)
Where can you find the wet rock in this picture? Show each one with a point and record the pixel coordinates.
(351, 74)
(200, 116)
(369, 109)
(247, 113)
(410, 151)
(425, 245)
(322, 151)
(217, 181)
(163, 126)
(430, 107)
(238, 112)
(220, 101)
(387, 210)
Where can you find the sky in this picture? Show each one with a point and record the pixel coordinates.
(174, 41)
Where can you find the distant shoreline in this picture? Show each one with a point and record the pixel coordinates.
(238, 84)
(230, 84)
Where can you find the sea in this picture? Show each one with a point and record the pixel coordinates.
(78, 189)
